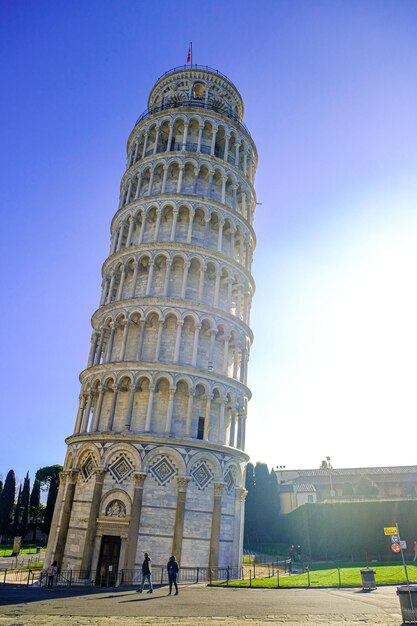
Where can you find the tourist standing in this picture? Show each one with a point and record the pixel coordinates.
(146, 573)
(52, 571)
(415, 551)
(172, 568)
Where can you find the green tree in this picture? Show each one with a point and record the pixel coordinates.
(6, 502)
(249, 529)
(48, 477)
(24, 507)
(50, 504)
(17, 513)
(1, 486)
(366, 487)
(35, 496)
(36, 509)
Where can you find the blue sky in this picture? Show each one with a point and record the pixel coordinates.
(330, 91)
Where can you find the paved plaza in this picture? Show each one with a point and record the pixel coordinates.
(198, 605)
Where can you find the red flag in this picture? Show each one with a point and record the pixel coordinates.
(189, 55)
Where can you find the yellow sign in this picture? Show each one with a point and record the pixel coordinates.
(390, 530)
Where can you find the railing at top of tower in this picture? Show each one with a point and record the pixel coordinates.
(194, 66)
(195, 102)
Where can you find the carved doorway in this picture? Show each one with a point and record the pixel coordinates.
(108, 563)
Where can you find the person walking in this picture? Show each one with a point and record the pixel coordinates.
(52, 571)
(415, 551)
(172, 567)
(146, 574)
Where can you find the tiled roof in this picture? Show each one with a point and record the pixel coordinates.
(304, 488)
(369, 471)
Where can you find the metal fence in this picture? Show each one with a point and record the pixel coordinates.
(93, 578)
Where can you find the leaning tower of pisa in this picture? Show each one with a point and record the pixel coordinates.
(156, 460)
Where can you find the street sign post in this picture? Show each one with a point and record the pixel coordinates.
(397, 545)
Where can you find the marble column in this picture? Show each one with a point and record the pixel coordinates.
(215, 525)
(133, 532)
(85, 566)
(240, 496)
(182, 484)
(72, 476)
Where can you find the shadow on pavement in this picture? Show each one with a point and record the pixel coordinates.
(19, 594)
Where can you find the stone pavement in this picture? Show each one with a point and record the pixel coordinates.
(198, 606)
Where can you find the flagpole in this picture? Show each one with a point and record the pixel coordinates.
(191, 46)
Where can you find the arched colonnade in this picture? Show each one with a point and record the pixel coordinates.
(190, 177)
(166, 336)
(163, 405)
(174, 274)
(193, 134)
(183, 224)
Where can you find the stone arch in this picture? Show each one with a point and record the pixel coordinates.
(199, 226)
(167, 218)
(106, 405)
(168, 337)
(163, 384)
(115, 495)
(180, 406)
(186, 349)
(165, 451)
(114, 457)
(150, 338)
(238, 473)
(69, 459)
(211, 459)
(140, 404)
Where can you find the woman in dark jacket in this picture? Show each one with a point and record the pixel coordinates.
(172, 567)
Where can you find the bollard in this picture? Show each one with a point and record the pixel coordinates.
(198, 569)
(250, 579)
(338, 573)
(162, 575)
(308, 576)
(277, 578)
(228, 576)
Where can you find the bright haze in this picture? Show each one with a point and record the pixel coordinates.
(330, 92)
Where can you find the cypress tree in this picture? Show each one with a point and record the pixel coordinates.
(35, 496)
(50, 504)
(24, 507)
(17, 513)
(263, 502)
(6, 502)
(1, 486)
(249, 505)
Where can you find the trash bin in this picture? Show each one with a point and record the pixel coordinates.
(408, 602)
(38, 549)
(368, 579)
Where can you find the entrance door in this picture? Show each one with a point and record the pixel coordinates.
(108, 563)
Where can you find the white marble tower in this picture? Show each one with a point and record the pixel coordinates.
(156, 461)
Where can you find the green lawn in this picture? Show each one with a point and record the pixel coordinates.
(7, 549)
(349, 577)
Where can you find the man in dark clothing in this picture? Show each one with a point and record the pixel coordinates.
(146, 574)
(172, 568)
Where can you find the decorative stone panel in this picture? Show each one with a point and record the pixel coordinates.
(121, 468)
(202, 475)
(230, 480)
(87, 468)
(163, 470)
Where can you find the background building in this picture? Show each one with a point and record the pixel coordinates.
(346, 484)
(156, 461)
